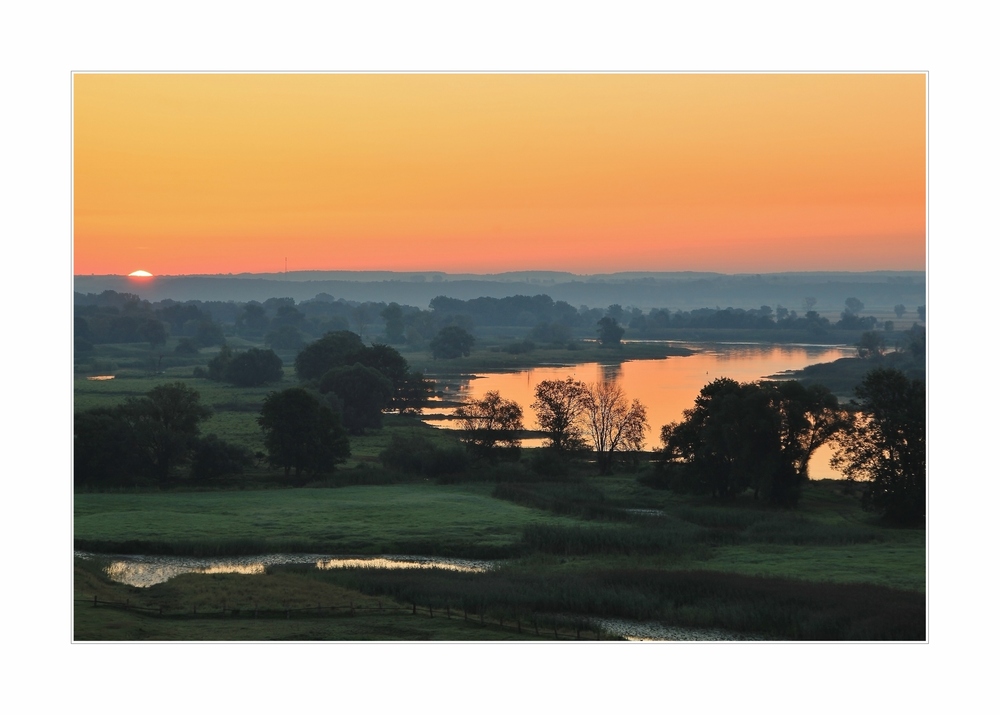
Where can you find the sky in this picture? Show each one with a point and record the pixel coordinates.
(590, 173)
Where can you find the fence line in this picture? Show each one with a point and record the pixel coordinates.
(571, 629)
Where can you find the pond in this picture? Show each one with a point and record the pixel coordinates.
(666, 386)
(144, 571)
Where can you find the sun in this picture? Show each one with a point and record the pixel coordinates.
(140, 274)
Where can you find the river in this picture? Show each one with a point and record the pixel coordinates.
(666, 386)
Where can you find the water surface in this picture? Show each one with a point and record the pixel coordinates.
(666, 386)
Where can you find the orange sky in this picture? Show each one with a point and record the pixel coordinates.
(178, 174)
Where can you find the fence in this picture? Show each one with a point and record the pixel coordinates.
(554, 627)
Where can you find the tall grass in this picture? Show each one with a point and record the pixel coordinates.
(779, 608)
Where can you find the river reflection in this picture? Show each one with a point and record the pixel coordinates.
(666, 386)
(145, 571)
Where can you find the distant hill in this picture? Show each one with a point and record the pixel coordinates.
(687, 290)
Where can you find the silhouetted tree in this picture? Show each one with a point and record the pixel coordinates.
(332, 350)
(558, 405)
(253, 367)
(362, 393)
(153, 332)
(163, 426)
(395, 328)
(208, 333)
(212, 457)
(252, 321)
(186, 346)
(757, 435)
(609, 332)
(611, 422)
(885, 446)
(871, 345)
(854, 306)
(284, 337)
(451, 342)
(900, 310)
(302, 434)
(491, 426)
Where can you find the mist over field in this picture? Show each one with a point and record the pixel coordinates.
(877, 289)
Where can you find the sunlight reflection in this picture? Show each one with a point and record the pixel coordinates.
(144, 571)
(392, 563)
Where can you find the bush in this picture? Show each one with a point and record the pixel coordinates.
(415, 454)
(213, 457)
(549, 463)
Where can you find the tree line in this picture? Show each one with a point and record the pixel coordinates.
(283, 324)
(755, 437)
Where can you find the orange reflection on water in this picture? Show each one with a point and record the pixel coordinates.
(384, 563)
(666, 387)
(142, 575)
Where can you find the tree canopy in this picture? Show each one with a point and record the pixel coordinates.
(754, 435)
(612, 423)
(332, 350)
(302, 434)
(491, 426)
(451, 342)
(361, 394)
(884, 446)
(609, 332)
(558, 405)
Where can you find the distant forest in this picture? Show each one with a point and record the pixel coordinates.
(286, 324)
(677, 291)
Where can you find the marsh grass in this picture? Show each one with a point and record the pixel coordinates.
(777, 608)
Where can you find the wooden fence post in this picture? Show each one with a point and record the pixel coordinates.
(95, 600)
(414, 609)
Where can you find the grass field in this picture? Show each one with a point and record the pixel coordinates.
(570, 547)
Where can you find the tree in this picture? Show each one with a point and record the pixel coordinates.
(611, 422)
(900, 310)
(219, 365)
(163, 426)
(491, 425)
(808, 303)
(330, 351)
(186, 346)
(885, 446)
(213, 457)
(153, 332)
(253, 367)
(103, 449)
(757, 435)
(208, 333)
(362, 393)
(252, 321)
(558, 405)
(854, 306)
(395, 329)
(284, 337)
(871, 345)
(609, 332)
(451, 342)
(412, 393)
(302, 434)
